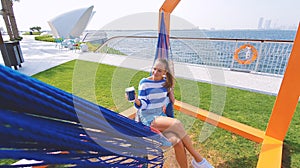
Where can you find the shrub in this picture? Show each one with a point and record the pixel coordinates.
(48, 38)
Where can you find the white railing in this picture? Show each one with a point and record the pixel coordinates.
(272, 55)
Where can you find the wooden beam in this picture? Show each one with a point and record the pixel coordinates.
(243, 130)
(169, 5)
(283, 111)
(271, 153)
(288, 95)
(129, 113)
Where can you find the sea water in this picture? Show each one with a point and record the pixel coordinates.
(197, 33)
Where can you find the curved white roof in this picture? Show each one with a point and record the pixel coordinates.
(71, 24)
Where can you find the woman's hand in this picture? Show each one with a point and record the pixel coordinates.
(164, 109)
(137, 101)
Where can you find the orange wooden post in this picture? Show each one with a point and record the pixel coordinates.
(168, 6)
(284, 108)
(288, 95)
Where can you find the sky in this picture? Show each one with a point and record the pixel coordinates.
(204, 14)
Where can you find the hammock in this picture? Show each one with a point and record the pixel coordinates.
(163, 50)
(43, 123)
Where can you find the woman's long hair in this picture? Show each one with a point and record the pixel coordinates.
(169, 77)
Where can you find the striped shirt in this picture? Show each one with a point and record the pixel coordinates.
(152, 95)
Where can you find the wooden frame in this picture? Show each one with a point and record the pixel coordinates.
(272, 138)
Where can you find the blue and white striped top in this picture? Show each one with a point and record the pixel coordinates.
(153, 96)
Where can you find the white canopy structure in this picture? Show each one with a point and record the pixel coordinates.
(71, 24)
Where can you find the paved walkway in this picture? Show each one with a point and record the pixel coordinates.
(40, 56)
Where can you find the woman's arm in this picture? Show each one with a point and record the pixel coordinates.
(171, 95)
(138, 102)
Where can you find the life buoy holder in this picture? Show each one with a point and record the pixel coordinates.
(250, 58)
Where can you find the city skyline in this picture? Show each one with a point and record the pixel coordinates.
(265, 23)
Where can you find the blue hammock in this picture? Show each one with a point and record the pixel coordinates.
(38, 120)
(163, 50)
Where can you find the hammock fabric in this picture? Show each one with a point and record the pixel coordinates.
(43, 123)
(163, 50)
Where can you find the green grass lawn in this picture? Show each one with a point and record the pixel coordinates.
(104, 85)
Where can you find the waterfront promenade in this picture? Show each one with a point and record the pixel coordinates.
(40, 56)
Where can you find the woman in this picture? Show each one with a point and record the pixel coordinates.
(151, 102)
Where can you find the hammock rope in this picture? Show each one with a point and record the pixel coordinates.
(164, 51)
(38, 120)
(163, 47)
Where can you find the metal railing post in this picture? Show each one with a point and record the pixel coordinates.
(232, 62)
(259, 55)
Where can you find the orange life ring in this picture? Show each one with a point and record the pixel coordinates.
(247, 61)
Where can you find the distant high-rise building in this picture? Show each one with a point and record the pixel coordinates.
(260, 23)
(267, 24)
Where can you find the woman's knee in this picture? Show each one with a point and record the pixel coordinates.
(178, 125)
(174, 140)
